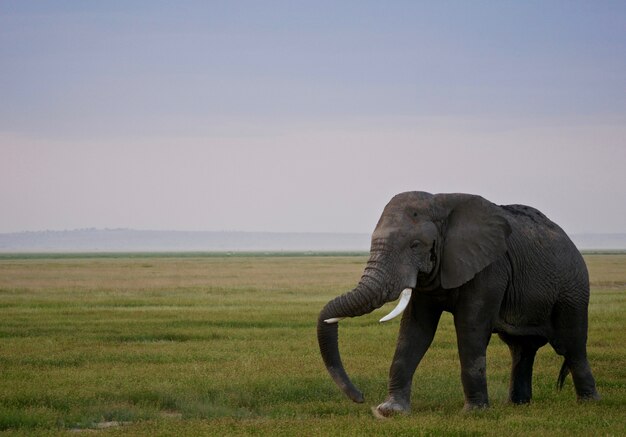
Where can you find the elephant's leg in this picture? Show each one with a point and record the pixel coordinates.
(577, 363)
(417, 330)
(476, 308)
(521, 385)
(523, 351)
(570, 340)
(583, 378)
(472, 343)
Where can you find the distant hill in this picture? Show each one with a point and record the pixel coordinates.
(127, 240)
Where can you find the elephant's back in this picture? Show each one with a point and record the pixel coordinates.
(529, 216)
(532, 228)
(538, 239)
(547, 267)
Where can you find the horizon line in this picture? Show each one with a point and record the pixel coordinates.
(233, 231)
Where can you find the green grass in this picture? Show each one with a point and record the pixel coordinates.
(219, 345)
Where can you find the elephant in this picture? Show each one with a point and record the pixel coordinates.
(504, 269)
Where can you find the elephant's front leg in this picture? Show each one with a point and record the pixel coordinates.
(417, 330)
(472, 341)
(476, 307)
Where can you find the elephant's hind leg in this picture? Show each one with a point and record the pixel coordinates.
(570, 340)
(523, 351)
(578, 365)
(583, 379)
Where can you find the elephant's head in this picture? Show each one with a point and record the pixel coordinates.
(421, 242)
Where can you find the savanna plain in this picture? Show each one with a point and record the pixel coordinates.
(206, 344)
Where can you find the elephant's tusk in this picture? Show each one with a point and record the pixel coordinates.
(405, 297)
(333, 320)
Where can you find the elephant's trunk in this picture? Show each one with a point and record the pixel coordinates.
(365, 298)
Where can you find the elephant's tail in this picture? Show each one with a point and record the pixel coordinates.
(562, 375)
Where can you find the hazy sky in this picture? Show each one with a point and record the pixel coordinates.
(307, 116)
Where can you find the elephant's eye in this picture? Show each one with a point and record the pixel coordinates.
(414, 244)
(415, 214)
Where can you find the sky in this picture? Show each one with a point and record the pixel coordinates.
(289, 116)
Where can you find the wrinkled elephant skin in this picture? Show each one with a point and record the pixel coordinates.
(498, 269)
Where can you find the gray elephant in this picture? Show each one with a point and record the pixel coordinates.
(503, 269)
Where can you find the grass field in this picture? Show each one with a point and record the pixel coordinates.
(216, 345)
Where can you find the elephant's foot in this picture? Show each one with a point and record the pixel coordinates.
(589, 397)
(390, 408)
(525, 401)
(519, 399)
(469, 407)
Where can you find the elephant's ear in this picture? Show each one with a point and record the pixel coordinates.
(476, 235)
